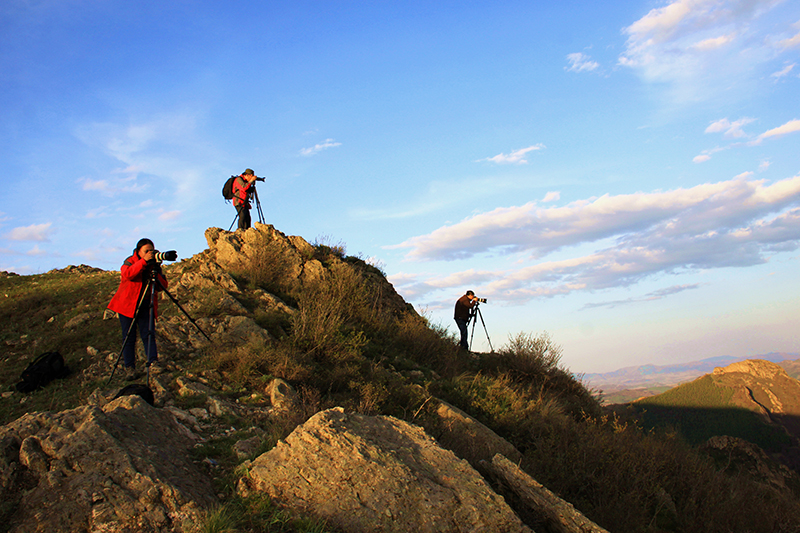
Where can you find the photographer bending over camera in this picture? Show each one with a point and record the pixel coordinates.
(135, 273)
(463, 313)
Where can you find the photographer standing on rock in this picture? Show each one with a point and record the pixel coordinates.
(242, 186)
(463, 313)
(135, 272)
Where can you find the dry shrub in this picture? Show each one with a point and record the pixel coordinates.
(329, 312)
(269, 266)
(426, 344)
(255, 358)
(530, 355)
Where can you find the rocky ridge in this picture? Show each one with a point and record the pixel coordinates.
(121, 465)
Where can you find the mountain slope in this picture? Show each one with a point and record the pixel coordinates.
(755, 400)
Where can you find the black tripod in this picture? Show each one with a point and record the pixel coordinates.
(477, 311)
(149, 292)
(254, 193)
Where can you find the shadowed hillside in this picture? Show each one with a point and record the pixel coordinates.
(306, 339)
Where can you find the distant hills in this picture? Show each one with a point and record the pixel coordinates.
(633, 382)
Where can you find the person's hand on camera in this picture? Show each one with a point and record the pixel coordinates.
(149, 255)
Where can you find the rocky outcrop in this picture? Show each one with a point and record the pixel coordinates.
(558, 515)
(377, 474)
(738, 457)
(469, 438)
(120, 468)
(764, 388)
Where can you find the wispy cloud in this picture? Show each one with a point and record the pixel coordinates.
(167, 147)
(783, 72)
(727, 224)
(793, 41)
(655, 295)
(329, 143)
(516, 157)
(790, 127)
(729, 130)
(702, 47)
(35, 232)
(552, 196)
(579, 62)
(169, 215)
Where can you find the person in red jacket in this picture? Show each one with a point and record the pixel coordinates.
(241, 200)
(135, 273)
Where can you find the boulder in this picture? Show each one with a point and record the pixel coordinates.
(377, 474)
(120, 468)
(471, 439)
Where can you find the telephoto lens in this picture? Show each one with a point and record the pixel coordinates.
(481, 300)
(171, 255)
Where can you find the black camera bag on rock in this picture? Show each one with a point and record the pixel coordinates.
(43, 370)
(137, 389)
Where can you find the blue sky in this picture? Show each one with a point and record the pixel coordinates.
(623, 176)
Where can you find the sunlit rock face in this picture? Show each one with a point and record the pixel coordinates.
(365, 473)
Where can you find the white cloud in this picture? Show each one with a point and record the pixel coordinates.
(36, 251)
(701, 158)
(790, 127)
(169, 215)
(700, 47)
(35, 232)
(713, 43)
(730, 130)
(783, 72)
(791, 42)
(552, 196)
(579, 62)
(517, 156)
(164, 147)
(739, 222)
(764, 165)
(329, 143)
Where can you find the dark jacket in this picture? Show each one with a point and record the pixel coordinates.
(464, 308)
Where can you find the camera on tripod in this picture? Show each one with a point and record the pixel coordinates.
(170, 255)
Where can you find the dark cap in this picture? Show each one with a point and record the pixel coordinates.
(248, 172)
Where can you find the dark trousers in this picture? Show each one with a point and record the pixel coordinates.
(462, 327)
(144, 325)
(244, 216)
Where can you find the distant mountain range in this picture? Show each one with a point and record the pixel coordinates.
(630, 383)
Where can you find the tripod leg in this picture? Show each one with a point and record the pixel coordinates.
(258, 206)
(175, 301)
(485, 331)
(151, 331)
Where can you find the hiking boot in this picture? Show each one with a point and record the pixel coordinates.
(130, 374)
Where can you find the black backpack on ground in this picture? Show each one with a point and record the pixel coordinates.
(137, 389)
(227, 189)
(43, 370)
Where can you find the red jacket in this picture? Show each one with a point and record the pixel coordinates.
(240, 189)
(131, 284)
